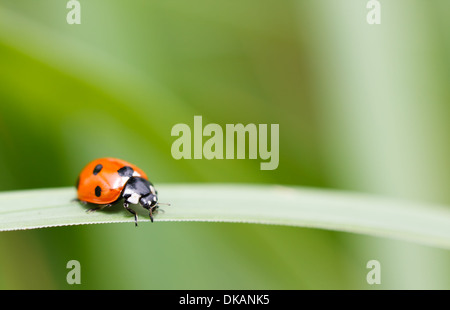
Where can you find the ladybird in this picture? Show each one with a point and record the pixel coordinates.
(106, 181)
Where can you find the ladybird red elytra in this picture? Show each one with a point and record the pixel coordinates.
(106, 181)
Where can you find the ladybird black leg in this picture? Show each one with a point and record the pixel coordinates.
(150, 214)
(79, 201)
(152, 210)
(125, 205)
(93, 209)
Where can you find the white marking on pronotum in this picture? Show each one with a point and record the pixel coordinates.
(134, 198)
(152, 190)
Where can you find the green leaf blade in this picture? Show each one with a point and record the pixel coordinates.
(277, 205)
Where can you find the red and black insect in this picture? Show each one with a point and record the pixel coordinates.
(106, 181)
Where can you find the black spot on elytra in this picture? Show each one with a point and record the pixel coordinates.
(97, 169)
(126, 171)
(98, 191)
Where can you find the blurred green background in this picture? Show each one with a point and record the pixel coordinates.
(361, 107)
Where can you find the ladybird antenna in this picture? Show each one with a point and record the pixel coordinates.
(163, 203)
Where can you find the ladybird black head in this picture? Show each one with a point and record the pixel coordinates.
(98, 191)
(126, 171)
(149, 201)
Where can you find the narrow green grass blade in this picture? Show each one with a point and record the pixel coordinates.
(278, 205)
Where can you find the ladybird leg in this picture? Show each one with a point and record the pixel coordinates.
(150, 214)
(79, 201)
(94, 209)
(151, 210)
(125, 205)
